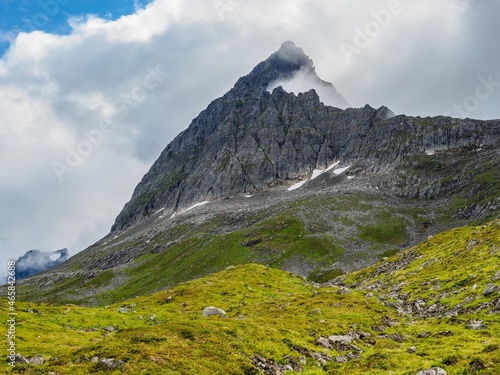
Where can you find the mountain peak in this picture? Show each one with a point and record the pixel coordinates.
(291, 53)
(281, 65)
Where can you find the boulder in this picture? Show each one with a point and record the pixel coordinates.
(324, 342)
(343, 344)
(476, 325)
(490, 289)
(433, 371)
(209, 311)
(341, 359)
(36, 360)
(344, 290)
(110, 363)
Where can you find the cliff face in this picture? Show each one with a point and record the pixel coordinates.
(252, 139)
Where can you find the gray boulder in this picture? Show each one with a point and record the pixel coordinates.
(210, 311)
(490, 289)
(111, 363)
(36, 360)
(433, 371)
(476, 325)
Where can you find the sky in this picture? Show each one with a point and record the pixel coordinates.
(91, 91)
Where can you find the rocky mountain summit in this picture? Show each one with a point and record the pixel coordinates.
(277, 178)
(250, 140)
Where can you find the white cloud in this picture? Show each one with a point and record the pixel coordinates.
(55, 89)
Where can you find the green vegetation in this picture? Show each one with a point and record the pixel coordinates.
(279, 316)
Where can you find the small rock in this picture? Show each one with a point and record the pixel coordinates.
(324, 342)
(341, 359)
(444, 334)
(411, 350)
(476, 365)
(433, 371)
(314, 312)
(398, 337)
(94, 360)
(322, 358)
(369, 295)
(110, 363)
(345, 339)
(353, 355)
(490, 289)
(476, 325)
(287, 368)
(344, 290)
(209, 311)
(343, 344)
(81, 359)
(496, 277)
(123, 310)
(424, 335)
(110, 328)
(36, 360)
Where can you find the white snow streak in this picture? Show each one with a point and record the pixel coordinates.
(297, 185)
(196, 205)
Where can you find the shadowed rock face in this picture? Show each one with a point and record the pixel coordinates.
(251, 139)
(35, 261)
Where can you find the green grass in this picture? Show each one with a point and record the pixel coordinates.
(269, 312)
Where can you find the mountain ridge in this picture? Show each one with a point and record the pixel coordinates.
(220, 193)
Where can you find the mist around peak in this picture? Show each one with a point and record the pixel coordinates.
(305, 80)
(36, 261)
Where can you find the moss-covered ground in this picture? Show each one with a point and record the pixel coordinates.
(277, 314)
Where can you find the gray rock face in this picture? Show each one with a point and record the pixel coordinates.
(251, 139)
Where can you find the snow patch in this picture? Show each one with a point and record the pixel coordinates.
(319, 172)
(173, 215)
(248, 196)
(316, 173)
(350, 177)
(430, 152)
(332, 166)
(297, 185)
(341, 170)
(196, 205)
(160, 210)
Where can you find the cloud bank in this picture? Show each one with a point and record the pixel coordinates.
(88, 97)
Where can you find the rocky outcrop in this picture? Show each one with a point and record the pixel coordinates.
(251, 139)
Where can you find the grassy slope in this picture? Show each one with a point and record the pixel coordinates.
(268, 311)
(315, 232)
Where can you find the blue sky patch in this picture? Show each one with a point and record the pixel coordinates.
(52, 15)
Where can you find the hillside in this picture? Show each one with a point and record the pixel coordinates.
(284, 180)
(282, 323)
